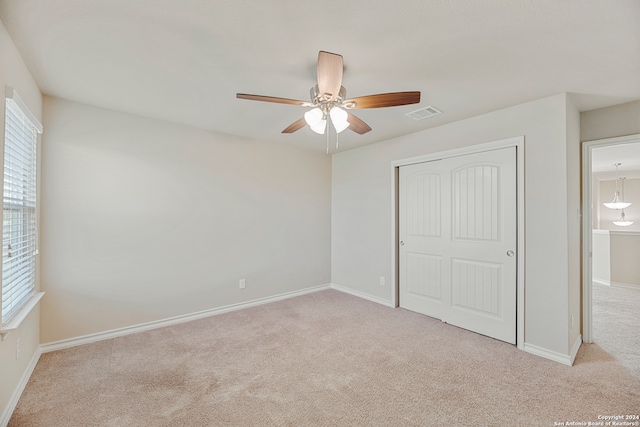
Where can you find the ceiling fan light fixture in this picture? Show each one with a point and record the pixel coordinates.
(313, 117)
(316, 121)
(339, 119)
(328, 100)
(319, 127)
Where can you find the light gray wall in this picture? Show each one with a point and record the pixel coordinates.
(625, 268)
(574, 222)
(619, 120)
(596, 202)
(144, 220)
(615, 257)
(362, 244)
(601, 250)
(14, 73)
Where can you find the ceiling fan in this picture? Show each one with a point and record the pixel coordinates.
(329, 102)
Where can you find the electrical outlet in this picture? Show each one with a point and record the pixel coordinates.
(381, 280)
(242, 283)
(18, 349)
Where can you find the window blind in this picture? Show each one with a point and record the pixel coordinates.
(19, 223)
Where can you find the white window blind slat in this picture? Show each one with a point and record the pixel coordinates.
(19, 231)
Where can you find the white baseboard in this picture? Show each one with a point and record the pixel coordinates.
(616, 284)
(575, 348)
(15, 397)
(361, 295)
(114, 333)
(565, 359)
(625, 285)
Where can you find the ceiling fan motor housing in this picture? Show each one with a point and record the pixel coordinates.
(324, 100)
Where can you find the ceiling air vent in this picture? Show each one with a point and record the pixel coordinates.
(423, 113)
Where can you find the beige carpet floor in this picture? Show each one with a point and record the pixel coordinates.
(322, 359)
(616, 323)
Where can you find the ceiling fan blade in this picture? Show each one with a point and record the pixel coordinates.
(273, 99)
(357, 125)
(329, 74)
(297, 125)
(383, 100)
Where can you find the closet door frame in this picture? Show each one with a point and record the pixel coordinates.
(519, 143)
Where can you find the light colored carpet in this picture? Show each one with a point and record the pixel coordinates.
(616, 323)
(323, 359)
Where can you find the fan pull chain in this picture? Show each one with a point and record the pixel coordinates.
(327, 141)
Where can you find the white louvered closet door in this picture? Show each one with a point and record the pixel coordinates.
(457, 235)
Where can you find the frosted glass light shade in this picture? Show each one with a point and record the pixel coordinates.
(622, 222)
(616, 203)
(313, 116)
(319, 127)
(315, 120)
(339, 119)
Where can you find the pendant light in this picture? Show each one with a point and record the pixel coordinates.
(622, 222)
(617, 202)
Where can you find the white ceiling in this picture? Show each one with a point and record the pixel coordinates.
(603, 160)
(184, 60)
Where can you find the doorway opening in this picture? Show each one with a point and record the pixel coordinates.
(611, 274)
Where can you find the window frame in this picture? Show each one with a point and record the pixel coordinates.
(20, 196)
